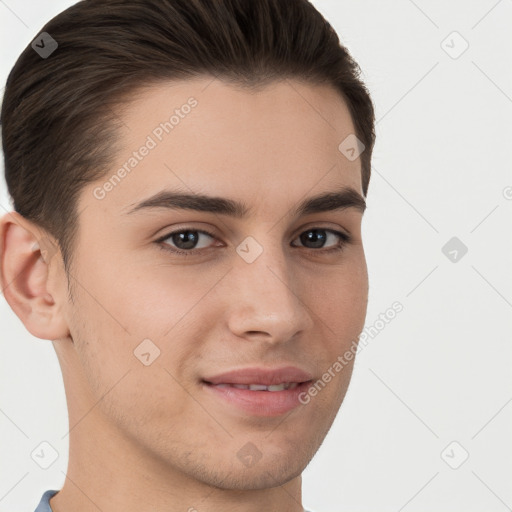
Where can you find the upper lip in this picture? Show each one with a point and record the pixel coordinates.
(259, 375)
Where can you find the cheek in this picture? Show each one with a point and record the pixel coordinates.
(157, 299)
(125, 320)
(340, 299)
(341, 316)
(127, 390)
(138, 302)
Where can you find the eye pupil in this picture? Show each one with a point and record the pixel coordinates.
(188, 237)
(317, 240)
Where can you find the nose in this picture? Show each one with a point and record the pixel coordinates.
(266, 301)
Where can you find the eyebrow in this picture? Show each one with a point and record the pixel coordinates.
(341, 199)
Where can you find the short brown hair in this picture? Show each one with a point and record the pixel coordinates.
(58, 126)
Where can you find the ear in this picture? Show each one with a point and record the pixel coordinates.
(26, 254)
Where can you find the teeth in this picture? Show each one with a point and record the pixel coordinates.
(261, 387)
(278, 387)
(257, 387)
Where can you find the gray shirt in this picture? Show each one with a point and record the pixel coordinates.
(44, 504)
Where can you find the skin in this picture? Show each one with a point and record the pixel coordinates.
(149, 437)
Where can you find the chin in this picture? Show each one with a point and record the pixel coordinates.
(274, 468)
(252, 479)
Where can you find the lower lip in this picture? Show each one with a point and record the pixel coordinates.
(260, 403)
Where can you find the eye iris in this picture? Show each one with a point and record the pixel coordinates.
(313, 237)
(188, 237)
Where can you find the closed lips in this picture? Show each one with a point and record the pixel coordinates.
(261, 378)
(258, 387)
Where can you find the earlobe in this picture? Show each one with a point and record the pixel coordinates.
(25, 257)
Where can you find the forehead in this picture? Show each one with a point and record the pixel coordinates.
(204, 135)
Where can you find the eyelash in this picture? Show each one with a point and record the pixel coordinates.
(345, 240)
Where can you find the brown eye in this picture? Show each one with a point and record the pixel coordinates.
(317, 238)
(185, 241)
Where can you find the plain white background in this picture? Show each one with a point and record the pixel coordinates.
(433, 386)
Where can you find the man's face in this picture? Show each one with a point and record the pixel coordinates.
(152, 330)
